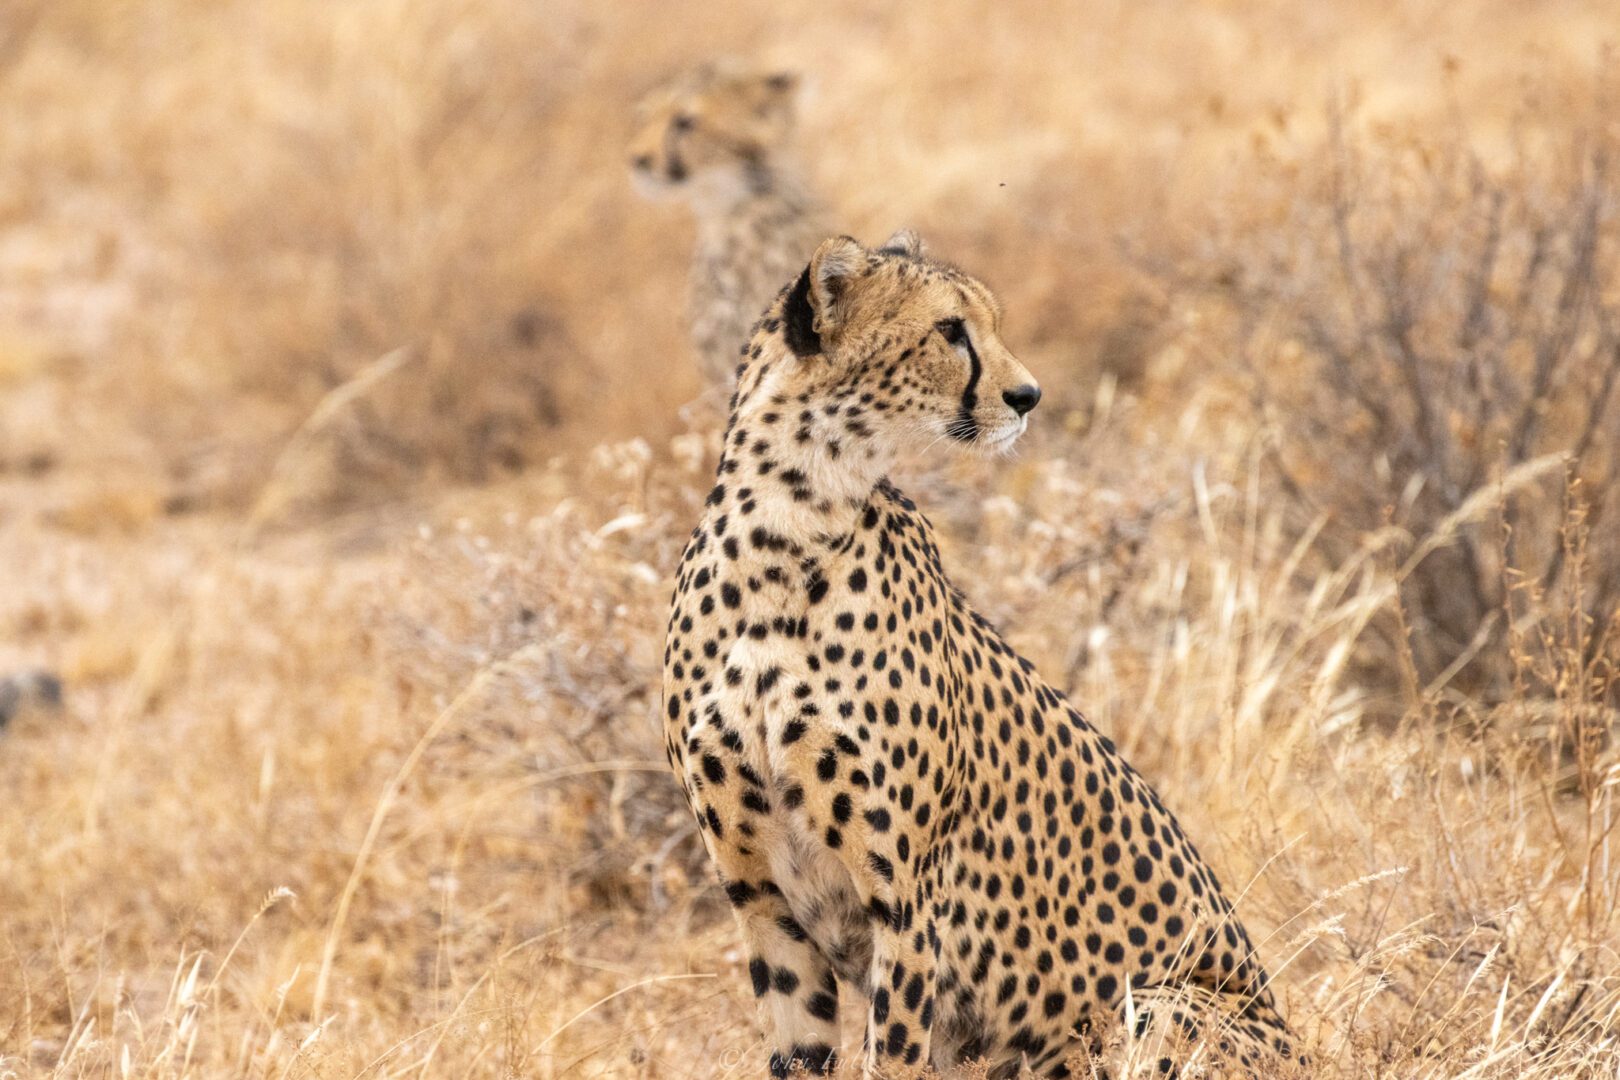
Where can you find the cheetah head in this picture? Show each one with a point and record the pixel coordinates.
(706, 133)
(898, 352)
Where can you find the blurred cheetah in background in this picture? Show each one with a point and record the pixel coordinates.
(897, 804)
(715, 138)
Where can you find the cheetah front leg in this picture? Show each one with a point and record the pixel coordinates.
(900, 1016)
(792, 980)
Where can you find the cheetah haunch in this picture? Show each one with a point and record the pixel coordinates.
(898, 805)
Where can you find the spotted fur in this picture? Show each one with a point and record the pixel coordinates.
(716, 139)
(898, 805)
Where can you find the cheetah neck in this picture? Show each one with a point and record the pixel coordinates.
(789, 466)
(733, 204)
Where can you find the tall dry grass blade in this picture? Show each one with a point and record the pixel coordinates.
(385, 803)
(599, 1002)
(1501, 1005)
(1476, 506)
(282, 488)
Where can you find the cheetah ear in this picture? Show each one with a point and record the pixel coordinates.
(833, 269)
(904, 242)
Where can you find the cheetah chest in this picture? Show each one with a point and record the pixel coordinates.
(763, 700)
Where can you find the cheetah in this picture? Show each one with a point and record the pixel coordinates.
(896, 802)
(716, 139)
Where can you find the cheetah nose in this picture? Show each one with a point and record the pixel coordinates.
(644, 162)
(1021, 399)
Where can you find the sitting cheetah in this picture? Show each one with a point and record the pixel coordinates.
(715, 139)
(896, 802)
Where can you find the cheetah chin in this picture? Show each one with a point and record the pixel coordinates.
(1000, 443)
(899, 807)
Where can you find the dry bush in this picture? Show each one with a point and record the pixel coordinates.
(1419, 325)
(572, 601)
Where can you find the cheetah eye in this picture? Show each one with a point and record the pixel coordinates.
(953, 330)
(683, 122)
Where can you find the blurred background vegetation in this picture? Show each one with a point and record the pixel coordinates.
(343, 467)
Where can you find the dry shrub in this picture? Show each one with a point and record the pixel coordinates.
(1419, 324)
(1494, 949)
(572, 601)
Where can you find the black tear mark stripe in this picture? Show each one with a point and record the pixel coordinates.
(965, 427)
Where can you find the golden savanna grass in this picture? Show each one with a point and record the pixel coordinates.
(343, 469)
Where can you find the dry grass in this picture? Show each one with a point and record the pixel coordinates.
(341, 478)
(1418, 322)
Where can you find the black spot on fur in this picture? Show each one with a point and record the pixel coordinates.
(818, 1059)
